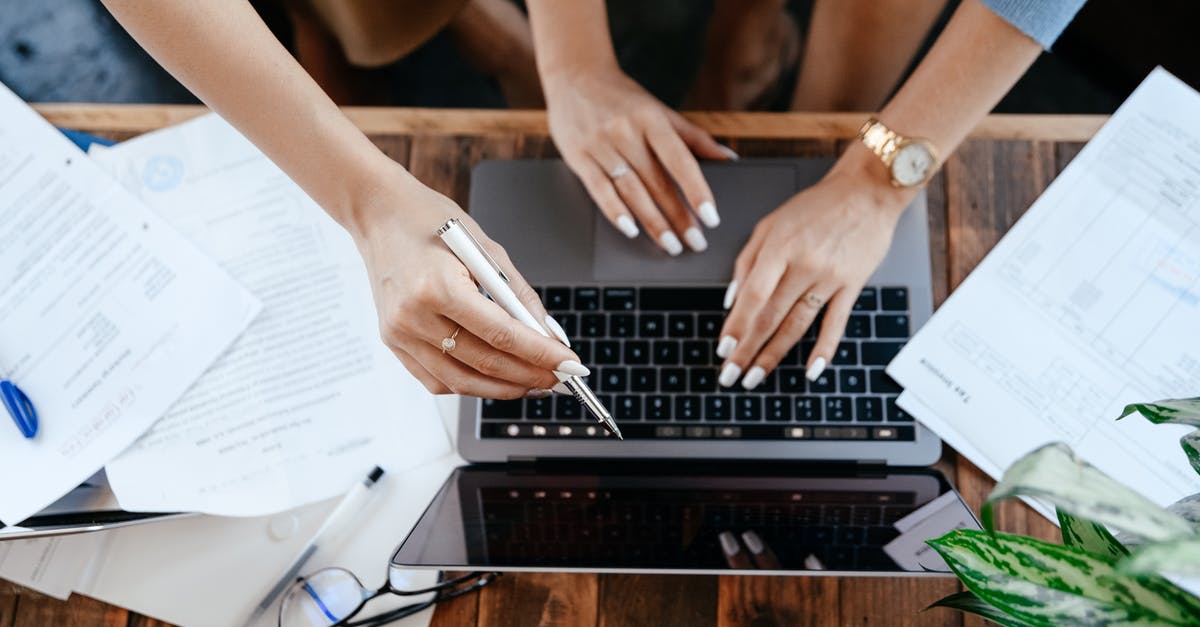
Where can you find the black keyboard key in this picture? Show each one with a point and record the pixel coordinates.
(652, 325)
(702, 380)
(592, 325)
(628, 408)
(858, 326)
(620, 299)
(658, 407)
(824, 383)
(681, 299)
(894, 298)
(608, 353)
(889, 325)
(868, 409)
(539, 408)
(808, 408)
(698, 353)
(747, 408)
(637, 352)
(614, 379)
(622, 325)
(778, 408)
(880, 353)
(894, 413)
(792, 381)
(792, 357)
(643, 380)
(493, 408)
(717, 407)
(583, 348)
(665, 353)
(674, 380)
(681, 325)
(769, 384)
(845, 355)
(852, 381)
(838, 409)
(567, 408)
(881, 383)
(587, 299)
(557, 298)
(687, 408)
(868, 300)
(569, 322)
(709, 325)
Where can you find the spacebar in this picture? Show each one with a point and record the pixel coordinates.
(681, 298)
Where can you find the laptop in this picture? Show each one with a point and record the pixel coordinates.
(824, 474)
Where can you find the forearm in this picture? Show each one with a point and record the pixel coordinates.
(570, 36)
(223, 52)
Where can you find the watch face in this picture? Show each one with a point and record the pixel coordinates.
(912, 164)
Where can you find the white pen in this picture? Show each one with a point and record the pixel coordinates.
(491, 278)
(326, 535)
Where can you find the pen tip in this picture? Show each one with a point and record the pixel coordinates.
(376, 473)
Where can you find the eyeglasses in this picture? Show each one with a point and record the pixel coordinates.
(333, 596)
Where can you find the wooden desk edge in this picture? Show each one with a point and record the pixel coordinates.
(414, 121)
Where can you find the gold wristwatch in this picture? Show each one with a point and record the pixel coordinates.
(911, 160)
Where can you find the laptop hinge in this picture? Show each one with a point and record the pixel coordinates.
(521, 464)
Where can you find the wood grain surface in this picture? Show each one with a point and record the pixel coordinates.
(983, 189)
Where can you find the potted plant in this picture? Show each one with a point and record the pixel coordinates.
(1093, 577)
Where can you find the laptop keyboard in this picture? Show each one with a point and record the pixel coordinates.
(654, 365)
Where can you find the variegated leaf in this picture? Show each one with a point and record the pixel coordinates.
(1043, 583)
(1089, 536)
(1191, 447)
(966, 601)
(1187, 508)
(1173, 557)
(1184, 411)
(1053, 474)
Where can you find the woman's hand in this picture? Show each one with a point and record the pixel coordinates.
(423, 294)
(817, 250)
(634, 155)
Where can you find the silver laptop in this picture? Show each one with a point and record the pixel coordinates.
(646, 324)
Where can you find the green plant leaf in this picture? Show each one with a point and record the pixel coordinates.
(1052, 473)
(1173, 557)
(1044, 583)
(1184, 411)
(1191, 447)
(966, 601)
(1089, 536)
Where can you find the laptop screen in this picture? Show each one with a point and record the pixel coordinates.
(686, 519)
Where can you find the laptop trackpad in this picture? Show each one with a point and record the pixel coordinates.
(743, 195)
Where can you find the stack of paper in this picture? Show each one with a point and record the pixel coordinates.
(1090, 302)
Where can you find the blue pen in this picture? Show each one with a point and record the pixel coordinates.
(19, 407)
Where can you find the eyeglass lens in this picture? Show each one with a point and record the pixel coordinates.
(326, 597)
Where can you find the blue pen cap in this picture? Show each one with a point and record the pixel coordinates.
(20, 408)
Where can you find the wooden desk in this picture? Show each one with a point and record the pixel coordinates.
(982, 190)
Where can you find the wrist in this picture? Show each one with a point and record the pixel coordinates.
(560, 68)
(381, 190)
(866, 173)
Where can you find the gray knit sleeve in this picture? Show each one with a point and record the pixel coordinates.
(1042, 20)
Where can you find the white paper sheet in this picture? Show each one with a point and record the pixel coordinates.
(107, 315)
(301, 406)
(1090, 302)
(52, 566)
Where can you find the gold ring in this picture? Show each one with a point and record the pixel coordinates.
(448, 343)
(814, 301)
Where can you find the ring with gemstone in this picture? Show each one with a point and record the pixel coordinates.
(621, 169)
(814, 301)
(448, 343)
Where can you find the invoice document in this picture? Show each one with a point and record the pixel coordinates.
(1090, 302)
(107, 314)
(309, 399)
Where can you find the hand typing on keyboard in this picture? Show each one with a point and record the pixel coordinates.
(815, 251)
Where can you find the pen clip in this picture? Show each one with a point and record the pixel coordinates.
(454, 222)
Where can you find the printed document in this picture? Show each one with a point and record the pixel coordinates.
(309, 399)
(107, 314)
(1090, 302)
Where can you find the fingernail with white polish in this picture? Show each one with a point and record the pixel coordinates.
(573, 368)
(726, 345)
(729, 375)
(626, 225)
(729, 544)
(670, 243)
(753, 542)
(695, 239)
(815, 370)
(557, 330)
(729, 152)
(730, 294)
(538, 393)
(708, 214)
(562, 388)
(753, 378)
